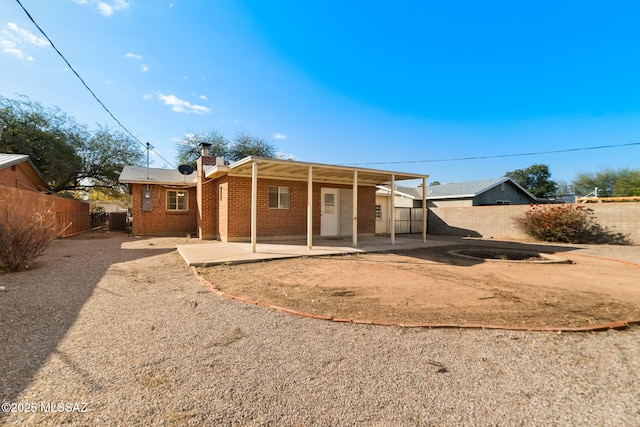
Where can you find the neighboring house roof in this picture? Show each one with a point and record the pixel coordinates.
(469, 189)
(407, 192)
(8, 160)
(144, 175)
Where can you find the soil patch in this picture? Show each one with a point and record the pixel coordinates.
(430, 285)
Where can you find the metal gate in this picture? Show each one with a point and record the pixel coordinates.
(117, 221)
(408, 220)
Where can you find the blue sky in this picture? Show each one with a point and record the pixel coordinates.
(388, 85)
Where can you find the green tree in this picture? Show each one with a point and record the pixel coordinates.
(535, 179)
(68, 155)
(104, 155)
(243, 145)
(189, 149)
(609, 182)
(47, 136)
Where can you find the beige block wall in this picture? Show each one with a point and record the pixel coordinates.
(498, 221)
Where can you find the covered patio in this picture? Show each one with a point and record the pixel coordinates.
(266, 168)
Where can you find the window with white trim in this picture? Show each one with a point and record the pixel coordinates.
(279, 198)
(177, 200)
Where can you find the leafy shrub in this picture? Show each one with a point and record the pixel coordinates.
(23, 235)
(566, 224)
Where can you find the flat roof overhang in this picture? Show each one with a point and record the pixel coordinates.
(299, 171)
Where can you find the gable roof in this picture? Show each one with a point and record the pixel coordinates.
(23, 161)
(144, 175)
(468, 189)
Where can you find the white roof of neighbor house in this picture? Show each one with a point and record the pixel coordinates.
(400, 191)
(144, 175)
(7, 160)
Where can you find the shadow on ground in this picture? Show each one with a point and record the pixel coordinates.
(42, 303)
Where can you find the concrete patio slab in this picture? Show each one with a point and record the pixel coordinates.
(214, 253)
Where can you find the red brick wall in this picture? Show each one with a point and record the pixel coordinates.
(366, 210)
(159, 221)
(222, 188)
(284, 222)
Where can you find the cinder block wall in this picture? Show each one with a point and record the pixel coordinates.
(498, 221)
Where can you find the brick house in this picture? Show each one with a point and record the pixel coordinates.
(257, 198)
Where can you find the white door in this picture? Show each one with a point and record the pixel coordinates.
(382, 215)
(329, 211)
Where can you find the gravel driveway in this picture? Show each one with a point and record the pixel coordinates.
(120, 332)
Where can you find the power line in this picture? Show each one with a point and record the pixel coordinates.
(457, 159)
(89, 89)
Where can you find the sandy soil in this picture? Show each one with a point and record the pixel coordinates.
(431, 286)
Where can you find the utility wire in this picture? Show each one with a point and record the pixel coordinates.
(498, 156)
(145, 145)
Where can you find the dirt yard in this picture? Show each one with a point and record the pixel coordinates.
(431, 286)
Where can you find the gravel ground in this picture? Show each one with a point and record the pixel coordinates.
(124, 326)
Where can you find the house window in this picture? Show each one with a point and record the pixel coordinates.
(279, 197)
(503, 202)
(177, 200)
(378, 211)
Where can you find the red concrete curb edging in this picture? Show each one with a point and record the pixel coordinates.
(592, 328)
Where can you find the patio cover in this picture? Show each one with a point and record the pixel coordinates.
(255, 167)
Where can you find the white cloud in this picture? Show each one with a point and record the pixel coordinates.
(181, 106)
(26, 36)
(278, 135)
(133, 56)
(106, 8)
(147, 96)
(14, 40)
(144, 68)
(202, 97)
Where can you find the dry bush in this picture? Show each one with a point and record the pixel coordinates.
(567, 224)
(24, 234)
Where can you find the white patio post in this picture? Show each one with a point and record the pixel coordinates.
(310, 209)
(355, 208)
(392, 208)
(254, 205)
(424, 209)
